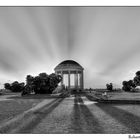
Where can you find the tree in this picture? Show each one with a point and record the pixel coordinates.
(128, 85)
(21, 86)
(138, 73)
(7, 86)
(137, 78)
(109, 86)
(43, 83)
(132, 84)
(53, 81)
(17, 87)
(29, 79)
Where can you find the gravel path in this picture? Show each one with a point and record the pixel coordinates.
(76, 115)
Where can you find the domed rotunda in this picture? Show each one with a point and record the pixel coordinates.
(71, 67)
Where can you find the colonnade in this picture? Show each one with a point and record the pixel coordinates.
(78, 78)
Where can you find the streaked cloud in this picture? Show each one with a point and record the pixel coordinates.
(104, 40)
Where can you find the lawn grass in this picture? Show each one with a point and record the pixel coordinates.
(12, 105)
(115, 97)
(118, 95)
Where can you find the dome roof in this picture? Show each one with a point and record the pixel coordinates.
(68, 64)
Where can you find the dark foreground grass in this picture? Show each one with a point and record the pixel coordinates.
(128, 118)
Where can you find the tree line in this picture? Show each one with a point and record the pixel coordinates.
(40, 84)
(44, 83)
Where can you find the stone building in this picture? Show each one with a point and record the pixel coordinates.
(70, 67)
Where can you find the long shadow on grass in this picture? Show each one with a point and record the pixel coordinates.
(128, 119)
(39, 115)
(92, 126)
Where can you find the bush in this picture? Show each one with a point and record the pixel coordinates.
(15, 86)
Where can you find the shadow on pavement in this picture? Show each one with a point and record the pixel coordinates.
(81, 111)
(76, 120)
(128, 119)
(38, 116)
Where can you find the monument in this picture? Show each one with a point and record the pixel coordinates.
(71, 67)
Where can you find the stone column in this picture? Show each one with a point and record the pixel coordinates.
(62, 78)
(69, 79)
(82, 80)
(76, 82)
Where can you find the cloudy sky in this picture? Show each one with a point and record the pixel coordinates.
(104, 40)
